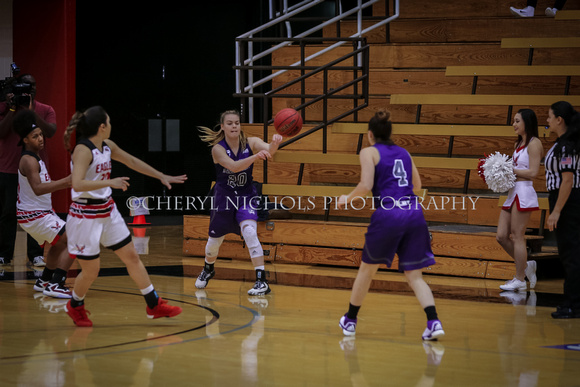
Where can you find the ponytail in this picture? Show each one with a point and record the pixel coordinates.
(84, 125)
(381, 126)
(70, 133)
(215, 135)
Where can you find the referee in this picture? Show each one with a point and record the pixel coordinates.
(563, 182)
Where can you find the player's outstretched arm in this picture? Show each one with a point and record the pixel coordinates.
(142, 167)
(257, 144)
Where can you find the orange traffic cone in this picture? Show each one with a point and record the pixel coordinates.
(139, 232)
(139, 220)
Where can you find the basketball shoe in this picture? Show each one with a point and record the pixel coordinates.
(433, 331)
(40, 285)
(348, 325)
(57, 291)
(203, 278)
(78, 315)
(260, 288)
(163, 309)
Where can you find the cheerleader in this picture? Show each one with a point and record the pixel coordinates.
(522, 200)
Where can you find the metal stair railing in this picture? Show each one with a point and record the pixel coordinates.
(356, 89)
(247, 84)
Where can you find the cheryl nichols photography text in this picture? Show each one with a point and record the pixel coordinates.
(300, 203)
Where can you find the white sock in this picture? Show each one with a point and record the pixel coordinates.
(259, 267)
(147, 290)
(76, 296)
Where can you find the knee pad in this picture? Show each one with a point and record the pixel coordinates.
(212, 246)
(250, 235)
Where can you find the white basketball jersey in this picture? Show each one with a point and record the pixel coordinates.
(99, 169)
(27, 199)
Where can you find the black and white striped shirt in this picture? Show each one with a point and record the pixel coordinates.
(555, 167)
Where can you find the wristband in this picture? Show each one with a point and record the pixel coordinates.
(12, 109)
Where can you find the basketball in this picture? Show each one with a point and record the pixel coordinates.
(288, 122)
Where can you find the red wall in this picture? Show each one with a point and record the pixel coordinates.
(44, 46)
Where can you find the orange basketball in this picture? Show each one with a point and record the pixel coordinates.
(288, 122)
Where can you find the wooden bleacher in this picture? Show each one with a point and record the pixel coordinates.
(455, 129)
(568, 15)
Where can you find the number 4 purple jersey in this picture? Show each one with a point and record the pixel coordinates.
(398, 225)
(393, 173)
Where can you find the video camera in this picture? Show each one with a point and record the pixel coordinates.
(10, 85)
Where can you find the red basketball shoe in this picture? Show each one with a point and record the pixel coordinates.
(163, 309)
(79, 315)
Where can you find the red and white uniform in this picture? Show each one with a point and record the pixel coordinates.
(523, 193)
(93, 218)
(34, 213)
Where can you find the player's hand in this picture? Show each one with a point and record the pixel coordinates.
(68, 181)
(168, 180)
(342, 201)
(277, 139)
(120, 183)
(264, 155)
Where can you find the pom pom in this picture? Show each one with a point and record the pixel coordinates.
(498, 172)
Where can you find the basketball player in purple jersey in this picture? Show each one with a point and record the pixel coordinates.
(235, 197)
(397, 225)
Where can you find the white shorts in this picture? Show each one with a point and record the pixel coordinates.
(43, 225)
(523, 195)
(89, 226)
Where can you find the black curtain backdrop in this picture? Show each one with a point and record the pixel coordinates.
(122, 49)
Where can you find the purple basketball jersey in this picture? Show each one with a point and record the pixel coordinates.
(398, 225)
(235, 197)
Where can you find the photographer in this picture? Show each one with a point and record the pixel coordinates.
(21, 96)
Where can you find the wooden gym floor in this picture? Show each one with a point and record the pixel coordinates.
(287, 338)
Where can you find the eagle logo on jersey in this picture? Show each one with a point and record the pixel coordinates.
(80, 249)
(56, 226)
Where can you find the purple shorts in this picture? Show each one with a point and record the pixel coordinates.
(400, 231)
(230, 209)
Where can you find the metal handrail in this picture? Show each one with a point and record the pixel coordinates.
(289, 12)
(359, 83)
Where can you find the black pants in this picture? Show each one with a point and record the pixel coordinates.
(8, 224)
(558, 4)
(568, 238)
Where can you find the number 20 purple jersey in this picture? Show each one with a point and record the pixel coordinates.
(238, 181)
(235, 196)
